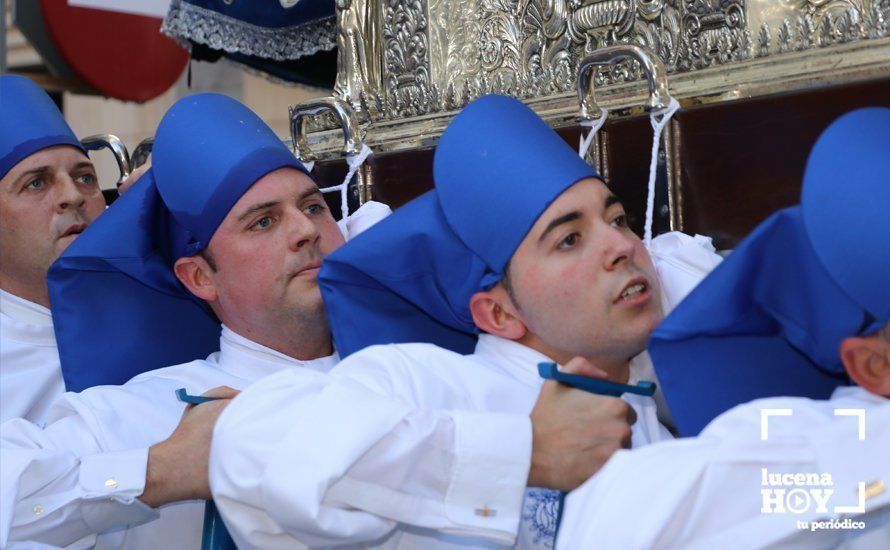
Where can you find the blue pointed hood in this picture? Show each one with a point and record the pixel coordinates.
(31, 122)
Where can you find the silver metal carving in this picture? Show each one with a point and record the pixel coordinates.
(530, 48)
(437, 55)
(406, 52)
(358, 51)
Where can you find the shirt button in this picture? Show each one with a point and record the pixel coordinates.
(110, 483)
(38, 509)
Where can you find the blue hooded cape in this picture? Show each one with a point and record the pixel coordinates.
(410, 278)
(770, 319)
(118, 309)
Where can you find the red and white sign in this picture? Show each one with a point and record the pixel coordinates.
(116, 46)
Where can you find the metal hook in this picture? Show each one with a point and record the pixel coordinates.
(343, 111)
(118, 149)
(141, 152)
(656, 77)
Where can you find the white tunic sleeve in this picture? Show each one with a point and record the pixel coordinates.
(58, 485)
(724, 488)
(337, 462)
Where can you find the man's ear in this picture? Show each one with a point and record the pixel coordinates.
(194, 273)
(494, 312)
(867, 360)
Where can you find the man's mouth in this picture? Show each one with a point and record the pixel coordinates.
(308, 270)
(73, 230)
(637, 291)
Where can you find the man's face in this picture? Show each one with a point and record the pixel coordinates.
(46, 200)
(581, 280)
(268, 251)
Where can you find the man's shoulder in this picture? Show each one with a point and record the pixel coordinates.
(138, 413)
(424, 371)
(152, 389)
(414, 349)
(413, 355)
(197, 372)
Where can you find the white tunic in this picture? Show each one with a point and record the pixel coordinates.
(54, 484)
(708, 492)
(292, 466)
(81, 474)
(30, 376)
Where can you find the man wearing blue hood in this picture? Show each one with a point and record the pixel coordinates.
(520, 255)
(214, 251)
(217, 247)
(49, 193)
(801, 304)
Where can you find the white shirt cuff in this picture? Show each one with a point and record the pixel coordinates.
(492, 464)
(111, 482)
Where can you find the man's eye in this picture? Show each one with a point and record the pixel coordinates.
(36, 183)
(569, 241)
(620, 221)
(263, 222)
(87, 179)
(314, 209)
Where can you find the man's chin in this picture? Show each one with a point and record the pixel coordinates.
(307, 296)
(62, 244)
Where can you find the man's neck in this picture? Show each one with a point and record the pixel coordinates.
(37, 294)
(301, 342)
(618, 370)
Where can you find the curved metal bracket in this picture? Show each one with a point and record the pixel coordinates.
(117, 148)
(656, 77)
(141, 152)
(341, 109)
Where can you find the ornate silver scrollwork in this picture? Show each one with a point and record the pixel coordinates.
(358, 51)
(438, 55)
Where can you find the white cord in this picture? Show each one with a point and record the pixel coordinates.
(354, 162)
(659, 120)
(594, 125)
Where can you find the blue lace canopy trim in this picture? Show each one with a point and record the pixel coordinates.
(187, 21)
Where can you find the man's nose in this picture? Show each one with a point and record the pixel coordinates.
(303, 233)
(618, 247)
(68, 193)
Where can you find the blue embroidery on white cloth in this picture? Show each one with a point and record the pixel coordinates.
(539, 516)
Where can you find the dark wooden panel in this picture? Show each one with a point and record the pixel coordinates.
(397, 177)
(739, 161)
(400, 177)
(742, 161)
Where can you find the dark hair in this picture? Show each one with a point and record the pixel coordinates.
(508, 285)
